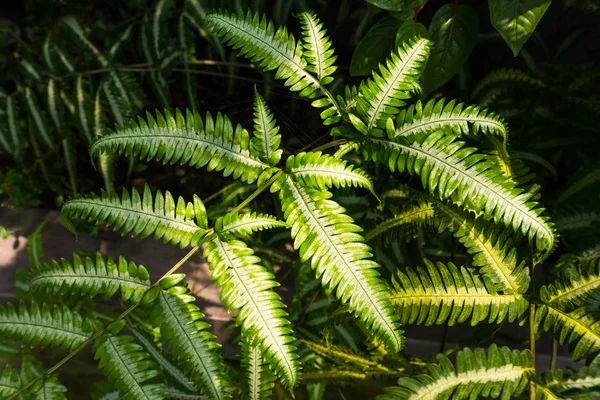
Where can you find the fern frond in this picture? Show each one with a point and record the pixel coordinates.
(579, 328)
(447, 294)
(83, 110)
(41, 326)
(13, 128)
(182, 327)
(177, 223)
(259, 379)
(477, 374)
(436, 115)
(382, 95)
(581, 385)
(243, 225)
(317, 48)
(128, 367)
(404, 223)
(492, 247)
(575, 220)
(504, 76)
(322, 171)
(455, 172)
(175, 139)
(47, 388)
(328, 237)
(344, 357)
(266, 138)
(246, 285)
(574, 287)
(333, 375)
(10, 382)
(38, 118)
(89, 277)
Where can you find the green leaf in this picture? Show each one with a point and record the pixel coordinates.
(38, 118)
(243, 225)
(454, 31)
(583, 384)
(516, 19)
(266, 138)
(410, 30)
(374, 47)
(395, 5)
(259, 380)
(317, 48)
(10, 382)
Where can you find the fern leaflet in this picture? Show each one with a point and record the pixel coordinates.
(243, 225)
(574, 286)
(266, 138)
(259, 379)
(317, 48)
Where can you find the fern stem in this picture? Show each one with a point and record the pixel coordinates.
(553, 357)
(258, 191)
(531, 319)
(327, 145)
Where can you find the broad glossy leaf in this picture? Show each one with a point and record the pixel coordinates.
(454, 33)
(374, 47)
(411, 29)
(516, 19)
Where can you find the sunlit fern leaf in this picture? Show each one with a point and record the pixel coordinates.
(492, 247)
(345, 357)
(581, 385)
(258, 379)
(453, 171)
(128, 367)
(182, 327)
(176, 223)
(328, 237)
(504, 76)
(89, 277)
(47, 388)
(512, 167)
(243, 225)
(574, 287)
(38, 118)
(435, 115)
(10, 382)
(579, 328)
(40, 325)
(322, 171)
(189, 140)
(500, 372)
(382, 95)
(441, 294)
(405, 224)
(259, 41)
(248, 286)
(318, 52)
(266, 139)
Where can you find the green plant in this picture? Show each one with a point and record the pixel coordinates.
(475, 195)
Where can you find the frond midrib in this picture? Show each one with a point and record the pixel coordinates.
(255, 373)
(45, 327)
(318, 48)
(572, 292)
(126, 365)
(303, 170)
(243, 223)
(42, 276)
(407, 130)
(400, 219)
(457, 296)
(576, 322)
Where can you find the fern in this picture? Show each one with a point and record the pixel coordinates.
(500, 372)
(259, 379)
(178, 223)
(89, 277)
(40, 326)
(405, 222)
(328, 237)
(48, 388)
(128, 367)
(243, 225)
(266, 139)
(188, 140)
(575, 286)
(317, 48)
(455, 172)
(247, 286)
(10, 382)
(181, 325)
(581, 385)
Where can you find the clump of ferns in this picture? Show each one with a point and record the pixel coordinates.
(475, 196)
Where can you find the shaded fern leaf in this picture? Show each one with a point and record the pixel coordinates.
(581, 385)
(266, 139)
(128, 367)
(175, 139)
(344, 357)
(47, 388)
(176, 223)
(441, 294)
(40, 326)
(436, 115)
(259, 380)
(382, 95)
(455, 172)
(328, 237)
(38, 118)
(243, 225)
(89, 277)
(182, 327)
(10, 382)
(317, 48)
(246, 285)
(500, 372)
(405, 224)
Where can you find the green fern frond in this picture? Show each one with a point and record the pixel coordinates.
(266, 139)
(243, 225)
(504, 76)
(182, 327)
(345, 357)
(317, 48)
(579, 328)
(213, 143)
(500, 372)
(456, 172)
(41, 326)
(246, 285)
(84, 111)
(177, 223)
(13, 128)
(405, 223)
(272, 49)
(47, 388)
(436, 115)
(10, 382)
(575, 286)
(492, 247)
(382, 95)
(128, 367)
(447, 294)
(575, 220)
(581, 385)
(259, 380)
(38, 118)
(328, 237)
(89, 277)
(322, 171)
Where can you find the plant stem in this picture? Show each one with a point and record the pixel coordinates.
(553, 357)
(531, 320)
(257, 192)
